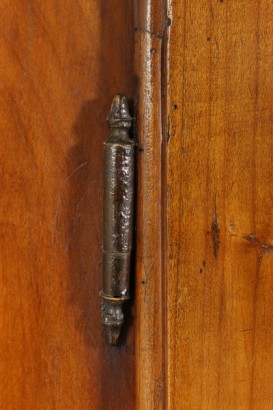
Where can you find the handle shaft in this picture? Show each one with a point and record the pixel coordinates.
(118, 218)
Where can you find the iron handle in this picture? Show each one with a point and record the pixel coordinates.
(117, 218)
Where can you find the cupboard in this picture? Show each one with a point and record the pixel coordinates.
(198, 327)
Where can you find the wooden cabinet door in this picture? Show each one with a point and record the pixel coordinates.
(219, 206)
(204, 268)
(199, 335)
(61, 65)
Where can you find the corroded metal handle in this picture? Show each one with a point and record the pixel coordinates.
(118, 218)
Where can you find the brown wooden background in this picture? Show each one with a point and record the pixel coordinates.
(219, 205)
(204, 242)
(61, 65)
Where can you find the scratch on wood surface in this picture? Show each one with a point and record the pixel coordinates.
(168, 129)
(215, 232)
(75, 170)
(152, 34)
(74, 223)
(56, 216)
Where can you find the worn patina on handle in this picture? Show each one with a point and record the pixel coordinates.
(117, 218)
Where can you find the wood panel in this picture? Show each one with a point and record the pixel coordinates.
(150, 31)
(61, 65)
(219, 205)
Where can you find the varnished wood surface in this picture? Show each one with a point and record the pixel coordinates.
(61, 65)
(219, 206)
(149, 33)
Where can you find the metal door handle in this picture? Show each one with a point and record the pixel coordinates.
(117, 218)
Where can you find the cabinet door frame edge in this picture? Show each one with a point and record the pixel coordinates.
(150, 36)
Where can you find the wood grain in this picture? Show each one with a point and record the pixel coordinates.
(150, 29)
(219, 205)
(61, 65)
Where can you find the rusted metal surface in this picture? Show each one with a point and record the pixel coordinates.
(118, 218)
